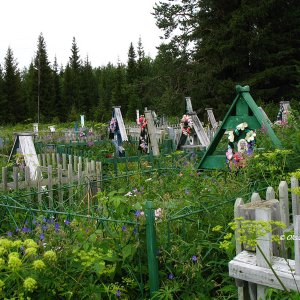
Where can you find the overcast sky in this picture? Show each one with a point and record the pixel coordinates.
(103, 29)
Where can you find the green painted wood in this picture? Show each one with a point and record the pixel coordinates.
(243, 109)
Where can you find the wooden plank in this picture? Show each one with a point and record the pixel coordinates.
(50, 186)
(27, 177)
(297, 244)
(118, 116)
(244, 267)
(270, 193)
(284, 202)
(152, 133)
(70, 180)
(59, 186)
(255, 197)
(200, 132)
(211, 118)
(48, 158)
(15, 178)
(188, 105)
(99, 175)
(75, 163)
(295, 199)
(39, 184)
(64, 161)
(53, 159)
(264, 247)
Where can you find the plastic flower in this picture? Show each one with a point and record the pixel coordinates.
(242, 126)
(250, 136)
(30, 284)
(231, 136)
(50, 255)
(38, 264)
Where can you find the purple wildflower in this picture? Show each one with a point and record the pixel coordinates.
(124, 228)
(42, 236)
(44, 227)
(26, 229)
(56, 226)
(171, 276)
(17, 229)
(9, 233)
(194, 258)
(137, 213)
(118, 293)
(135, 231)
(67, 222)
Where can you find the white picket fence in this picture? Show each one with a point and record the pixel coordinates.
(54, 170)
(250, 268)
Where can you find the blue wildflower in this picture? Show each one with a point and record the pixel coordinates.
(171, 276)
(124, 228)
(118, 293)
(67, 222)
(56, 226)
(26, 229)
(9, 233)
(137, 213)
(135, 231)
(42, 236)
(44, 227)
(194, 258)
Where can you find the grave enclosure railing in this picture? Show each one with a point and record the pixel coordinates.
(268, 264)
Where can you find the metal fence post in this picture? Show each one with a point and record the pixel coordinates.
(151, 248)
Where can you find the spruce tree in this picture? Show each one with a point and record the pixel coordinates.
(12, 90)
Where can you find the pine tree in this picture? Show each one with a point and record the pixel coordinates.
(12, 90)
(45, 86)
(59, 109)
(3, 99)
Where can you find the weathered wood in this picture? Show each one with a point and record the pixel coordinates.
(295, 199)
(39, 184)
(99, 175)
(53, 159)
(27, 177)
(255, 197)
(152, 133)
(118, 116)
(50, 186)
(244, 266)
(211, 118)
(284, 202)
(64, 161)
(70, 179)
(59, 185)
(44, 160)
(200, 132)
(48, 158)
(264, 246)
(297, 244)
(242, 286)
(270, 193)
(16, 178)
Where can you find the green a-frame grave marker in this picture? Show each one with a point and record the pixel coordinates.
(243, 109)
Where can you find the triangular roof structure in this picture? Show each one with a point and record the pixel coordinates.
(243, 109)
(24, 141)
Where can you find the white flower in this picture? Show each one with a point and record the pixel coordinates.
(250, 136)
(158, 213)
(230, 136)
(129, 194)
(149, 179)
(242, 126)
